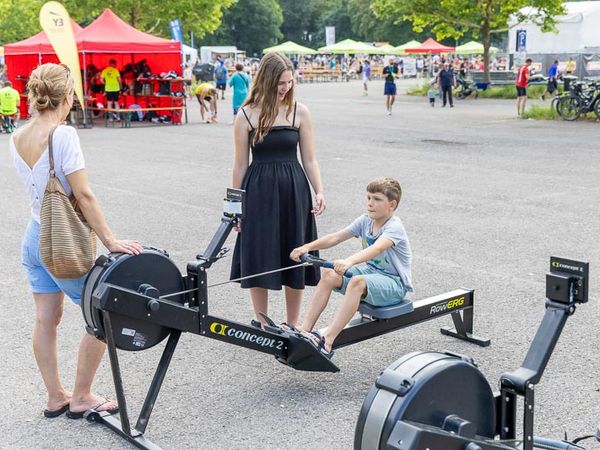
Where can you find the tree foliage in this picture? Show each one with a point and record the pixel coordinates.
(19, 19)
(454, 18)
(250, 25)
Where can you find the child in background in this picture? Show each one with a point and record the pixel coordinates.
(432, 94)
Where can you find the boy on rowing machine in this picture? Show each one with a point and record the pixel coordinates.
(383, 280)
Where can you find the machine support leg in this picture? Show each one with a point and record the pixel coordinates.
(116, 373)
(157, 381)
(508, 413)
(528, 418)
(463, 328)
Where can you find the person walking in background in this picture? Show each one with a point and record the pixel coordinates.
(187, 79)
(112, 86)
(221, 77)
(552, 85)
(50, 94)
(445, 81)
(279, 213)
(521, 85)
(366, 74)
(390, 73)
(240, 84)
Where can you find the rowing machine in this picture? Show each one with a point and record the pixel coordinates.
(441, 400)
(134, 302)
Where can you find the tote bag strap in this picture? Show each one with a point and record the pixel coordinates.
(50, 153)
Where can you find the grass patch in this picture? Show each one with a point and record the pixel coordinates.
(419, 89)
(540, 112)
(508, 92)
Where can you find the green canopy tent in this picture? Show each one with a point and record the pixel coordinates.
(386, 49)
(349, 46)
(472, 48)
(290, 48)
(410, 44)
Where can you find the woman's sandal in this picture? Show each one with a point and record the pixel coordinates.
(79, 415)
(52, 413)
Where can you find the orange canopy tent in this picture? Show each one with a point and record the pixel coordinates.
(430, 46)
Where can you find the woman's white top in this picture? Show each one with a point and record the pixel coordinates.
(68, 158)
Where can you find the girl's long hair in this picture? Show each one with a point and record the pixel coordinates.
(263, 93)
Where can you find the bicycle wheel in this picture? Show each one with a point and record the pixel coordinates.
(569, 108)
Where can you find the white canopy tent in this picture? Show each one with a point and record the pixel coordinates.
(190, 54)
(578, 31)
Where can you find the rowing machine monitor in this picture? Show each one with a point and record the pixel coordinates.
(567, 281)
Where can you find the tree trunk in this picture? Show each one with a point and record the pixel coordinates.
(485, 36)
(132, 17)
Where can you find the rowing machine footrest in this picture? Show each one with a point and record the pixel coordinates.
(386, 312)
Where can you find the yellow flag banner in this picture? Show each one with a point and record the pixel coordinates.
(55, 21)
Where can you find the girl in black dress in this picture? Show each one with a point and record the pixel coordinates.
(279, 212)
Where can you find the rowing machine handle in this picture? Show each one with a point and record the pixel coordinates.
(316, 261)
(320, 262)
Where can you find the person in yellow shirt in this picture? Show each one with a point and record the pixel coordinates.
(112, 85)
(570, 67)
(9, 107)
(206, 92)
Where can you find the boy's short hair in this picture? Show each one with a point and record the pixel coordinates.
(239, 67)
(387, 186)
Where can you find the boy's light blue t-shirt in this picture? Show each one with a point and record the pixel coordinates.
(395, 260)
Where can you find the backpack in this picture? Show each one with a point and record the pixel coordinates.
(220, 73)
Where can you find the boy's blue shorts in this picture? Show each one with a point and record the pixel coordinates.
(40, 280)
(382, 289)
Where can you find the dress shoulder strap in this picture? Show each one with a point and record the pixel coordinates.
(246, 116)
(294, 118)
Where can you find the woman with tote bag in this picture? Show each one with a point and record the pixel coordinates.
(50, 97)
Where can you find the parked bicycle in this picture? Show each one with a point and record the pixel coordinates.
(583, 98)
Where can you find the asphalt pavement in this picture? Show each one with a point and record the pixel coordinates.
(487, 199)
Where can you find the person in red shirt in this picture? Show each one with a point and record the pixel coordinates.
(521, 85)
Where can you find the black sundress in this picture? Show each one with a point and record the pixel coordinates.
(277, 213)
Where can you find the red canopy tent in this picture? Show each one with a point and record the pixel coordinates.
(108, 37)
(24, 56)
(430, 46)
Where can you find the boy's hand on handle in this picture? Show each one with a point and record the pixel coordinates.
(320, 205)
(341, 266)
(298, 252)
(131, 247)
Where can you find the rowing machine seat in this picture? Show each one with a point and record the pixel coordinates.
(386, 312)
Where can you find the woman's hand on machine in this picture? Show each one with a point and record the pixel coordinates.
(320, 205)
(298, 252)
(341, 266)
(131, 247)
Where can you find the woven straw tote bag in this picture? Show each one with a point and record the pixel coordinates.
(67, 243)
